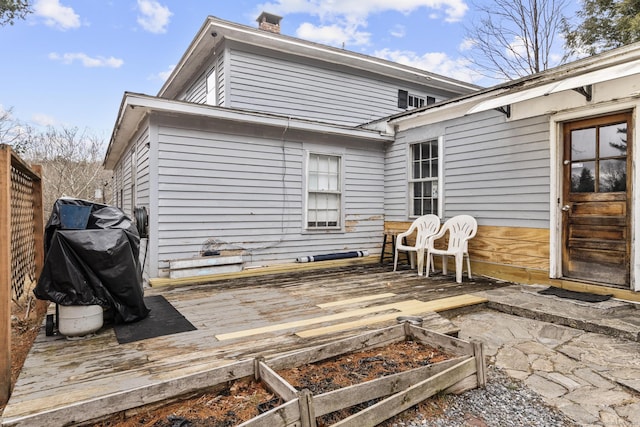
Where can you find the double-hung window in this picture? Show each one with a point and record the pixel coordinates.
(324, 191)
(424, 182)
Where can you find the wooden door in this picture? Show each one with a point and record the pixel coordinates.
(596, 199)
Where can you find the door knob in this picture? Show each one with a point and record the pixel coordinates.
(566, 208)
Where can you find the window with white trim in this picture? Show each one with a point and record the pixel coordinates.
(424, 181)
(324, 191)
(411, 100)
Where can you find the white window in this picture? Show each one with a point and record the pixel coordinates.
(424, 181)
(212, 88)
(324, 191)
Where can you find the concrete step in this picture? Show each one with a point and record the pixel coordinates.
(613, 317)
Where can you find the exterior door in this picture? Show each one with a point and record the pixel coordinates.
(596, 199)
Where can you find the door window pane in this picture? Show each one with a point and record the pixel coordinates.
(583, 144)
(583, 177)
(613, 140)
(613, 175)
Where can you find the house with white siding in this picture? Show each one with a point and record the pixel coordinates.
(280, 148)
(546, 164)
(255, 145)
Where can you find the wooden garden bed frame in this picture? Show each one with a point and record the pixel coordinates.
(465, 371)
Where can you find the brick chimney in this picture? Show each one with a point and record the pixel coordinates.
(269, 22)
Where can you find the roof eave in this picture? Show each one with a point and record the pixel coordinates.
(204, 43)
(135, 107)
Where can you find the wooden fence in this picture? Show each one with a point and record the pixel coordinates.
(21, 246)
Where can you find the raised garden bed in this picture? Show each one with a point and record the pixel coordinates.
(384, 372)
(461, 367)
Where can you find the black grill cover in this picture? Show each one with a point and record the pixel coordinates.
(97, 265)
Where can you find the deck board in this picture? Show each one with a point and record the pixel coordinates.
(61, 372)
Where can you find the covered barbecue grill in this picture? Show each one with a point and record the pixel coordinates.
(91, 259)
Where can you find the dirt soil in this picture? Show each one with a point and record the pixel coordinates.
(239, 401)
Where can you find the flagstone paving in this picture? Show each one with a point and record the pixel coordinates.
(592, 378)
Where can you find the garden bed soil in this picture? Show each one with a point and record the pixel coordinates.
(242, 400)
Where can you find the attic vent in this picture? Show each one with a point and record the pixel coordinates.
(269, 22)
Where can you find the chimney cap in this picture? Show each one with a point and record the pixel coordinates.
(269, 18)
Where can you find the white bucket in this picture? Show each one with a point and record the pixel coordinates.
(78, 320)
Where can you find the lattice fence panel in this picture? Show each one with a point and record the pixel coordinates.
(23, 254)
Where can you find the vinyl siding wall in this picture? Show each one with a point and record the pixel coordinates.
(310, 90)
(122, 181)
(196, 92)
(242, 188)
(268, 81)
(495, 170)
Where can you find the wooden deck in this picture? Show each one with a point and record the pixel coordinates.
(69, 381)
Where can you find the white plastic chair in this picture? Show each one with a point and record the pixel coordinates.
(461, 229)
(426, 225)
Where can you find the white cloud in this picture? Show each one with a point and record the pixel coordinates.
(517, 48)
(153, 17)
(333, 35)
(435, 62)
(355, 10)
(341, 22)
(162, 75)
(42, 119)
(56, 15)
(467, 44)
(398, 31)
(86, 60)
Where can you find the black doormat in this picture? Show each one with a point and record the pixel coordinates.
(163, 319)
(580, 296)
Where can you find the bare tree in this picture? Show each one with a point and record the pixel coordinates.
(13, 132)
(515, 38)
(71, 163)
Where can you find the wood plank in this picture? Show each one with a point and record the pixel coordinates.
(285, 415)
(466, 384)
(407, 310)
(313, 354)
(5, 273)
(478, 354)
(205, 271)
(89, 408)
(348, 396)
(451, 344)
(356, 300)
(398, 306)
(103, 368)
(276, 383)
(259, 271)
(38, 220)
(577, 286)
(402, 401)
(312, 333)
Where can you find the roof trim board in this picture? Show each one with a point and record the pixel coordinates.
(570, 83)
(135, 107)
(204, 43)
